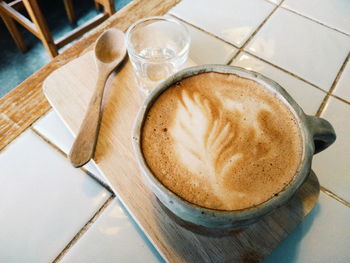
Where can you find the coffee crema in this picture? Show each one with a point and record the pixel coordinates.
(221, 141)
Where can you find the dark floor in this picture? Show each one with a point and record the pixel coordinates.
(16, 66)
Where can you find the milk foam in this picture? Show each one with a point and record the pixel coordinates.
(201, 139)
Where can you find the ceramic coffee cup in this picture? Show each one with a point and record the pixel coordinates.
(317, 134)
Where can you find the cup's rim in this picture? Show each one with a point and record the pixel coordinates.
(130, 47)
(246, 213)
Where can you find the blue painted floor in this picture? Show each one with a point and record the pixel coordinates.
(15, 66)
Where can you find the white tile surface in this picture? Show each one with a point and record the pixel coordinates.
(301, 46)
(52, 128)
(342, 88)
(206, 49)
(275, 1)
(307, 96)
(44, 201)
(333, 13)
(112, 238)
(332, 165)
(231, 20)
(322, 237)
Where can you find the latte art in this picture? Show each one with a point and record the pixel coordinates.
(205, 142)
(220, 141)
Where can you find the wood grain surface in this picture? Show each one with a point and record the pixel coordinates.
(26, 103)
(69, 88)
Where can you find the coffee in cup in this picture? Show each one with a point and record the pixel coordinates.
(221, 141)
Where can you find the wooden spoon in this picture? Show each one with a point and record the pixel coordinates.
(110, 50)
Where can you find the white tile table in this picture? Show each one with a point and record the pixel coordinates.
(303, 45)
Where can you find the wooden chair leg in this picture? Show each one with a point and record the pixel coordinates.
(108, 6)
(12, 28)
(97, 5)
(37, 17)
(68, 5)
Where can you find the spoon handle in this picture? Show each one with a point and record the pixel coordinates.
(84, 145)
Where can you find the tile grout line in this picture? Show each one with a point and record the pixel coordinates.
(334, 196)
(268, 1)
(83, 230)
(323, 105)
(107, 187)
(204, 31)
(47, 141)
(333, 86)
(341, 99)
(255, 32)
(313, 20)
(285, 71)
(340, 72)
(310, 18)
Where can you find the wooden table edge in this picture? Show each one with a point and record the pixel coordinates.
(22, 106)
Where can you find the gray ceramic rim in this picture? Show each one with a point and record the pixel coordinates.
(217, 218)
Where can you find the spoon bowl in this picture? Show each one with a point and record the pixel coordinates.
(109, 48)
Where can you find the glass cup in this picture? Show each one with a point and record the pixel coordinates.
(157, 48)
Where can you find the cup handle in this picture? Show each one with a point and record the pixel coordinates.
(322, 132)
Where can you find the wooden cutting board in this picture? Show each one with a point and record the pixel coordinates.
(69, 88)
